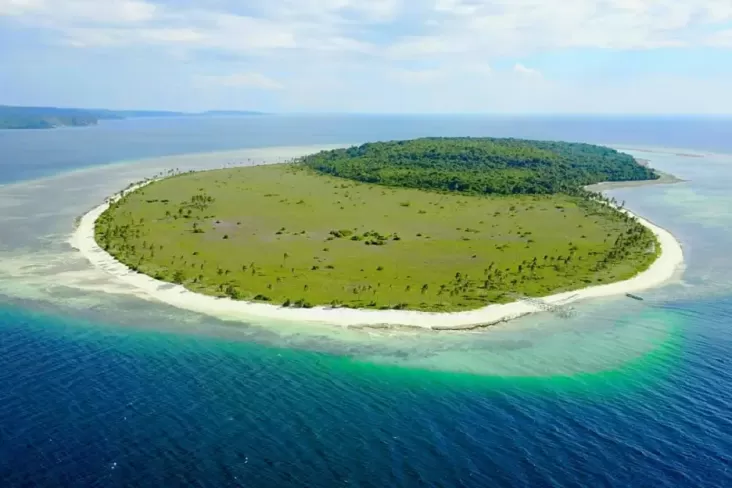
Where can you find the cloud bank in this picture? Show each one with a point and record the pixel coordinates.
(320, 54)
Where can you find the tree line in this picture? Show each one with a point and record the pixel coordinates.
(480, 165)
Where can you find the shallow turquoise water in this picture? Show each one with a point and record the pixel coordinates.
(99, 387)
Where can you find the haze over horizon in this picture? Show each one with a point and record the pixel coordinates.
(378, 56)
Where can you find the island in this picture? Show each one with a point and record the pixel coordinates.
(434, 232)
(13, 117)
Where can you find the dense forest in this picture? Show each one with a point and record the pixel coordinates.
(481, 165)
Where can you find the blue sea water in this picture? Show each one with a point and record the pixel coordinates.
(102, 387)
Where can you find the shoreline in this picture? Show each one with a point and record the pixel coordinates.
(83, 239)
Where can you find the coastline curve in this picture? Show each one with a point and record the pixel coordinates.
(660, 272)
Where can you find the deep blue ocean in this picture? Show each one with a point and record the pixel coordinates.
(100, 386)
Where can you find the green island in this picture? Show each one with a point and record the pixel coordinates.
(434, 224)
(13, 117)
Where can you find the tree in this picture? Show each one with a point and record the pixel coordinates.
(178, 277)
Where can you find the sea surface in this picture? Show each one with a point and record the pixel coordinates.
(101, 386)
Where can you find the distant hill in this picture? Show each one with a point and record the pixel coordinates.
(46, 117)
(12, 117)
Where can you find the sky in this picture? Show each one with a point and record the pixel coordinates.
(372, 56)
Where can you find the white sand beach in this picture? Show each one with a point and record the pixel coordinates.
(661, 271)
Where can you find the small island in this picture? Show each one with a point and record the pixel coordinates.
(427, 225)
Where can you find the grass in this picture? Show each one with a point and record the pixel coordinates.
(284, 235)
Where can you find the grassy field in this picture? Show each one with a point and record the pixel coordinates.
(284, 235)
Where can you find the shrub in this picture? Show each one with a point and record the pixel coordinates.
(341, 233)
(178, 277)
(233, 293)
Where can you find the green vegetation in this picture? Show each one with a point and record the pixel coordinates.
(44, 117)
(50, 117)
(284, 234)
(481, 165)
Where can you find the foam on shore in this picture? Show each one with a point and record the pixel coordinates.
(661, 271)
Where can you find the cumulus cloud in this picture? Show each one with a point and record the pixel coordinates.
(338, 51)
(527, 26)
(448, 27)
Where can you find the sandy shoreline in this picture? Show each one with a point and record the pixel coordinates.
(661, 271)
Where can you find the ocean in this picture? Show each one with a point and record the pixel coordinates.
(100, 386)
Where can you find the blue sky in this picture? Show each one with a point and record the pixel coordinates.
(413, 56)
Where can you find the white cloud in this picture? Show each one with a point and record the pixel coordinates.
(351, 53)
(19, 7)
(372, 11)
(418, 75)
(499, 28)
(520, 68)
(243, 80)
(111, 37)
(426, 46)
(721, 39)
(488, 28)
(65, 12)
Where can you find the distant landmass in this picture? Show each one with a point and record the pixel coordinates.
(12, 117)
